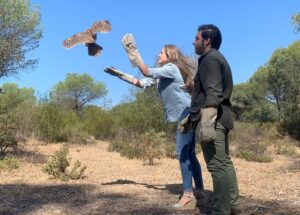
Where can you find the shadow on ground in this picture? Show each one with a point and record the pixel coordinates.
(71, 199)
(295, 166)
(90, 199)
(28, 156)
(249, 206)
(172, 188)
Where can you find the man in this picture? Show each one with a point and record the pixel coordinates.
(212, 118)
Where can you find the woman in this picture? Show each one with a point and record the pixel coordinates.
(174, 83)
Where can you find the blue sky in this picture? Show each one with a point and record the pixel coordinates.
(251, 29)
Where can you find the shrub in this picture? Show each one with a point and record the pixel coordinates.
(16, 115)
(75, 133)
(170, 149)
(286, 148)
(251, 141)
(7, 140)
(9, 163)
(253, 156)
(127, 144)
(254, 139)
(49, 123)
(77, 171)
(170, 143)
(146, 146)
(255, 151)
(290, 122)
(151, 145)
(99, 123)
(25, 121)
(121, 139)
(142, 114)
(58, 164)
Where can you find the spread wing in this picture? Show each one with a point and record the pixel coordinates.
(103, 26)
(79, 38)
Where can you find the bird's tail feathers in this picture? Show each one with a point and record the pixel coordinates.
(94, 49)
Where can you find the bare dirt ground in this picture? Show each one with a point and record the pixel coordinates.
(116, 185)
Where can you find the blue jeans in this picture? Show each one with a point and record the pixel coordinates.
(185, 152)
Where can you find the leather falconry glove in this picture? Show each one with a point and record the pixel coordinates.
(207, 131)
(130, 47)
(126, 77)
(113, 71)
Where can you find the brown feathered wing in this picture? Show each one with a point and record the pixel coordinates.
(79, 38)
(103, 26)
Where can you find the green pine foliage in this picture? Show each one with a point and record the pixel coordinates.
(272, 94)
(20, 31)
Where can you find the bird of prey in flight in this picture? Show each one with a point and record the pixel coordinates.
(89, 37)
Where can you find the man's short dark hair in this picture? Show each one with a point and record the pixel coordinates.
(212, 32)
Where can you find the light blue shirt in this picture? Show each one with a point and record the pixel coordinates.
(170, 86)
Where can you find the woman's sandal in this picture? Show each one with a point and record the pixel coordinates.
(191, 204)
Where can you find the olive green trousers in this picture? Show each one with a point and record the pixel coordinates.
(225, 187)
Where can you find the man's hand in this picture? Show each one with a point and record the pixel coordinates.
(130, 47)
(207, 131)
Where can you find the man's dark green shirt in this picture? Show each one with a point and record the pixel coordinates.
(212, 88)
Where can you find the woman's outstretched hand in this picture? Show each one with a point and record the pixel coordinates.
(123, 76)
(113, 71)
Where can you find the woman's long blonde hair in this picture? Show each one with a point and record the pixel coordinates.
(185, 65)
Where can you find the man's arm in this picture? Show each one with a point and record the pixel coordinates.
(211, 80)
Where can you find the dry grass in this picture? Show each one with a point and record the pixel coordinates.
(116, 185)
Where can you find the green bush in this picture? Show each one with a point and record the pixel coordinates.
(127, 144)
(290, 122)
(141, 114)
(151, 145)
(254, 156)
(250, 141)
(76, 134)
(9, 163)
(255, 139)
(99, 123)
(16, 116)
(7, 140)
(58, 164)
(170, 149)
(25, 121)
(77, 171)
(49, 122)
(74, 130)
(170, 143)
(286, 148)
(147, 146)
